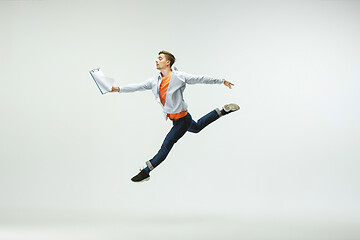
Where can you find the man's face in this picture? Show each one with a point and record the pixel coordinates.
(161, 62)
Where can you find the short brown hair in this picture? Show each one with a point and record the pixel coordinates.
(168, 56)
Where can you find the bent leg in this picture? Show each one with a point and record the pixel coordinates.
(196, 127)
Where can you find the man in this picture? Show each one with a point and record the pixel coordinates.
(168, 89)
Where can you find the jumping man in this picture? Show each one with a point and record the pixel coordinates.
(168, 88)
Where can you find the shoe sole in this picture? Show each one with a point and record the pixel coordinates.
(146, 179)
(231, 107)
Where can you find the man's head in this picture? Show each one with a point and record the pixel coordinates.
(164, 60)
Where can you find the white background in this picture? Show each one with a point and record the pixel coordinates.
(284, 166)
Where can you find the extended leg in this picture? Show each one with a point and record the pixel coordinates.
(177, 131)
(196, 127)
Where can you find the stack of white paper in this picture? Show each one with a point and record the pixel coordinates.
(104, 83)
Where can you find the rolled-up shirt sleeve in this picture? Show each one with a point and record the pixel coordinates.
(146, 85)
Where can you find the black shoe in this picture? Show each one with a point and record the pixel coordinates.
(142, 176)
(228, 108)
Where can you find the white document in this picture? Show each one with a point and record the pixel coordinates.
(104, 83)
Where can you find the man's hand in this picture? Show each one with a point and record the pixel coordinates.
(115, 89)
(228, 84)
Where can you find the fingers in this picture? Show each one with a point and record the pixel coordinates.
(228, 84)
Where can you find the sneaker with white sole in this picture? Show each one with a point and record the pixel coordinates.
(228, 108)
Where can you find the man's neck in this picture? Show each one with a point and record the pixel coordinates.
(165, 72)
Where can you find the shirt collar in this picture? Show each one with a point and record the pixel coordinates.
(173, 68)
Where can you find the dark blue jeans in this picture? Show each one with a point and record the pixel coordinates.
(180, 127)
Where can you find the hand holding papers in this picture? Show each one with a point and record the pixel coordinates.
(104, 83)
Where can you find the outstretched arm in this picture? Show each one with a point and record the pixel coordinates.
(191, 79)
(133, 87)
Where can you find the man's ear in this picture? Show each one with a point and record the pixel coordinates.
(167, 62)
